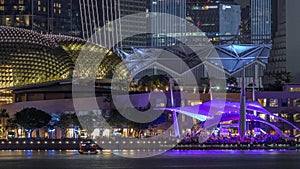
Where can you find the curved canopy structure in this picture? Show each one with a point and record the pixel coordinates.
(229, 113)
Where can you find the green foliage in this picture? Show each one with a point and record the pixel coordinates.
(154, 82)
(11, 123)
(117, 120)
(68, 121)
(91, 120)
(280, 80)
(32, 118)
(4, 113)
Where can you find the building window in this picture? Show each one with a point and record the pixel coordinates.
(263, 102)
(285, 102)
(273, 103)
(21, 2)
(2, 2)
(1, 8)
(297, 103)
(294, 89)
(263, 116)
(22, 8)
(273, 119)
(285, 116)
(296, 118)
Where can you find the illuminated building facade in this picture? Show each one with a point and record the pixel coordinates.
(97, 13)
(101, 15)
(27, 57)
(168, 30)
(94, 15)
(215, 18)
(44, 16)
(261, 20)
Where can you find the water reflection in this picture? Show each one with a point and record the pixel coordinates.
(172, 159)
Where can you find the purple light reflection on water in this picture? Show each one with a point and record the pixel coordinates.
(224, 152)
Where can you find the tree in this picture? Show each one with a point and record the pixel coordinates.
(3, 117)
(280, 80)
(32, 118)
(68, 121)
(154, 82)
(91, 121)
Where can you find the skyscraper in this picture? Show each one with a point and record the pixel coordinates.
(215, 18)
(104, 16)
(284, 56)
(166, 23)
(136, 24)
(277, 60)
(261, 21)
(94, 15)
(45, 16)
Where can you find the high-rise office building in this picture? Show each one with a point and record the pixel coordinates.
(215, 18)
(136, 23)
(133, 24)
(95, 14)
(103, 17)
(45, 16)
(284, 56)
(168, 22)
(261, 14)
(277, 60)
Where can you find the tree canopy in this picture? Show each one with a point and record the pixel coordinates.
(32, 118)
(68, 120)
(154, 82)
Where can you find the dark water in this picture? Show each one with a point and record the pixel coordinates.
(171, 159)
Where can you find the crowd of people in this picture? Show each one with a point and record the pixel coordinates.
(234, 138)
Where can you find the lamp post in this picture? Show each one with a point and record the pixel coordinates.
(175, 120)
(242, 119)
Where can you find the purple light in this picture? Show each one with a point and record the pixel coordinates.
(200, 112)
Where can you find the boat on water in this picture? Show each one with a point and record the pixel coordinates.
(88, 148)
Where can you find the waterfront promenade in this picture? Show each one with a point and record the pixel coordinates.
(73, 144)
